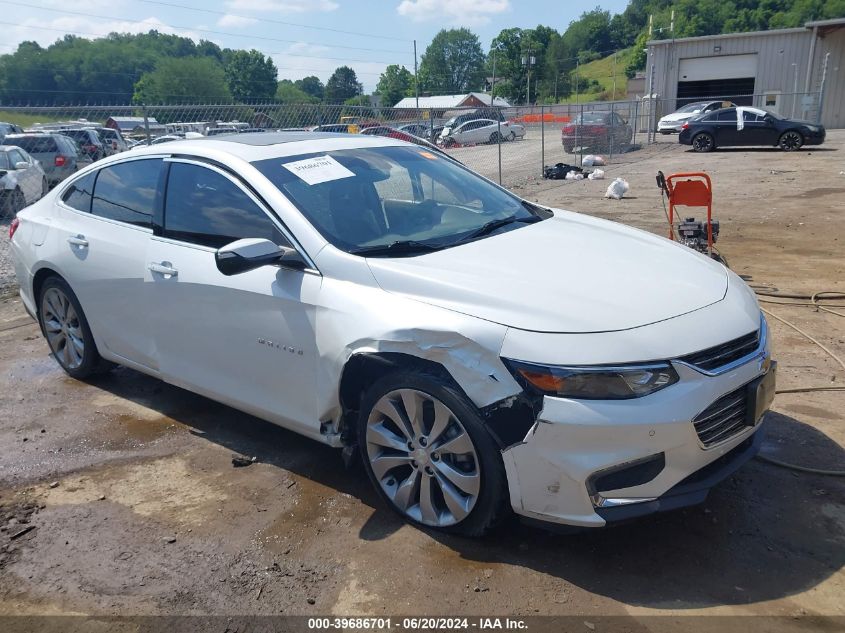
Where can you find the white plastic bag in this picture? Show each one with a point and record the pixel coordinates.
(591, 160)
(597, 174)
(579, 176)
(617, 189)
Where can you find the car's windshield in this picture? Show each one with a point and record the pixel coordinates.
(367, 198)
(691, 107)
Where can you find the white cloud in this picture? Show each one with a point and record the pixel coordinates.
(235, 21)
(283, 6)
(453, 11)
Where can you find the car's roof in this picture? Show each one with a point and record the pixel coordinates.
(252, 147)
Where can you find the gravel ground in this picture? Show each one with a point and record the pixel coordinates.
(8, 283)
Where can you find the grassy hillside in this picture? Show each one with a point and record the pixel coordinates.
(27, 120)
(601, 70)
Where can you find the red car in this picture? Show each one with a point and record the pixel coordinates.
(596, 130)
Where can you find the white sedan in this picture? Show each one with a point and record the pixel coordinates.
(481, 131)
(483, 354)
(22, 180)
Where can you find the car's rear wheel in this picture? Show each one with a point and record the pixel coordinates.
(426, 450)
(703, 142)
(495, 137)
(512, 136)
(66, 329)
(568, 148)
(11, 204)
(790, 141)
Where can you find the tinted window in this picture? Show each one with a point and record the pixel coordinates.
(204, 207)
(727, 115)
(127, 192)
(4, 160)
(33, 144)
(750, 117)
(17, 157)
(80, 192)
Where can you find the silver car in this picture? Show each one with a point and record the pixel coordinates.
(22, 181)
(57, 154)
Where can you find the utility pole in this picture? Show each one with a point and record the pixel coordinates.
(576, 81)
(614, 75)
(528, 60)
(416, 81)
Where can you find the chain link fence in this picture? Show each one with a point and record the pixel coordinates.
(508, 145)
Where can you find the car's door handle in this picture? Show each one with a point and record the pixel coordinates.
(164, 268)
(78, 240)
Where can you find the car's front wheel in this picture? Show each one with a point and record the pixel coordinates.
(66, 329)
(703, 142)
(429, 455)
(790, 141)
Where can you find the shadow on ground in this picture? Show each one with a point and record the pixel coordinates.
(763, 534)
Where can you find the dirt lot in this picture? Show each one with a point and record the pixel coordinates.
(137, 509)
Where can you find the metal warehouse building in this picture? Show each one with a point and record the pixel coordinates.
(793, 72)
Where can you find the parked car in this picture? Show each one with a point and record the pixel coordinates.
(9, 128)
(218, 131)
(87, 140)
(481, 131)
(473, 115)
(391, 301)
(745, 126)
(596, 130)
(112, 140)
(251, 130)
(22, 181)
(391, 132)
(56, 153)
(416, 129)
(672, 123)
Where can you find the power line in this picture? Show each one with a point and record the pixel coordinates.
(199, 30)
(273, 21)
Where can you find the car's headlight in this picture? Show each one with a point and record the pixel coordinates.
(597, 382)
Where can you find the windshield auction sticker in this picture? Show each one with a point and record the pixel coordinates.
(318, 169)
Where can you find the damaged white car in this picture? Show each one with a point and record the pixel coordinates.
(483, 353)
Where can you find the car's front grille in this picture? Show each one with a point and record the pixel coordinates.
(720, 355)
(723, 419)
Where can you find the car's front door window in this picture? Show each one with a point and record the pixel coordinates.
(204, 207)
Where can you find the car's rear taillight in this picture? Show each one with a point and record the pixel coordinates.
(13, 227)
(60, 161)
(685, 126)
(569, 129)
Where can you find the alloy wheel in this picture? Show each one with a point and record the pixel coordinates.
(423, 458)
(63, 328)
(790, 141)
(702, 143)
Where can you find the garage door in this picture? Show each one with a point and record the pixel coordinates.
(724, 76)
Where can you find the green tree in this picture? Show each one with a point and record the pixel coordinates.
(311, 86)
(183, 80)
(342, 85)
(288, 92)
(393, 84)
(453, 63)
(251, 75)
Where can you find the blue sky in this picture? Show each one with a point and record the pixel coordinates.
(304, 37)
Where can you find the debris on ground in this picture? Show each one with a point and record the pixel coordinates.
(596, 174)
(591, 160)
(240, 461)
(617, 189)
(560, 171)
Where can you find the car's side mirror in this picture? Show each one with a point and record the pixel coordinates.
(22, 165)
(251, 253)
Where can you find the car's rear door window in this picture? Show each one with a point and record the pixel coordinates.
(126, 192)
(727, 115)
(205, 207)
(80, 192)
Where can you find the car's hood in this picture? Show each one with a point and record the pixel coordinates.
(679, 116)
(570, 273)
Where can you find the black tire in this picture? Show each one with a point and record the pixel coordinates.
(703, 142)
(790, 141)
(512, 136)
(495, 137)
(91, 361)
(492, 502)
(568, 148)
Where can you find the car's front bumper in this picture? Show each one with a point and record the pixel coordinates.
(670, 126)
(552, 472)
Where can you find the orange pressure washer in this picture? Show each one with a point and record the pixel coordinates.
(690, 190)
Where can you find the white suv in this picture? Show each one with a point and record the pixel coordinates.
(482, 352)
